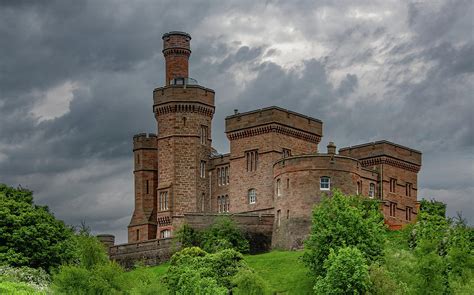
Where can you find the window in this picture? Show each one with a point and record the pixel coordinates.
(219, 204)
(223, 203)
(287, 214)
(359, 187)
(371, 190)
(203, 202)
(203, 134)
(278, 217)
(252, 195)
(163, 201)
(393, 209)
(138, 159)
(226, 203)
(165, 234)
(286, 153)
(408, 213)
(219, 176)
(287, 183)
(252, 160)
(393, 184)
(278, 187)
(408, 187)
(147, 187)
(138, 235)
(202, 169)
(227, 175)
(325, 183)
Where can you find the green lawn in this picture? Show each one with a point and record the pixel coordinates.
(283, 271)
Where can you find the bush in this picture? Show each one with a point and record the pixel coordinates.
(23, 280)
(346, 273)
(191, 267)
(247, 282)
(187, 236)
(342, 221)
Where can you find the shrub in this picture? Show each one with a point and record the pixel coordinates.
(23, 280)
(224, 234)
(188, 236)
(341, 221)
(247, 282)
(346, 273)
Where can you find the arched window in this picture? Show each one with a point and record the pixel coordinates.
(252, 195)
(325, 183)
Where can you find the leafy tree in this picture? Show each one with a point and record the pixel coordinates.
(342, 221)
(346, 273)
(188, 236)
(247, 282)
(29, 234)
(224, 234)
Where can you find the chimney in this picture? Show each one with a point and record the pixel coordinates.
(331, 148)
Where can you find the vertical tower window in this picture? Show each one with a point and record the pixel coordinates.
(287, 183)
(359, 187)
(138, 235)
(286, 153)
(278, 217)
(252, 196)
(371, 190)
(408, 213)
(252, 160)
(287, 214)
(202, 169)
(138, 159)
(219, 204)
(203, 202)
(163, 201)
(203, 134)
(226, 203)
(393, 209)
(147, 187)
(393, 185)
(278, 187)
(408, 187)
(227, 175)
(325, 183)
(219, 176)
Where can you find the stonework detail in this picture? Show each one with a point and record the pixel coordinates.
(274, 170)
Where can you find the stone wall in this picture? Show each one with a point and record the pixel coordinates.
(256, 227)
(151, 252)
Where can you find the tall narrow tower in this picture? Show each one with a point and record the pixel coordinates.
(183, 111)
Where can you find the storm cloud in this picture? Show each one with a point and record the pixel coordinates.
(76, 81)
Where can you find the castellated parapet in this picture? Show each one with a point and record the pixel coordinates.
(274, 170)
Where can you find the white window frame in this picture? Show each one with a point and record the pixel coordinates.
(163, 200)
(322, 185)
(278, 187)
(202, 169)
(164, 234)
(252, 196)
(371, 190)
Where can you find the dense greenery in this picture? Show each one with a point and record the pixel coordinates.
(222, 234)
(346, 273)
(342, 221)
(194, 271)
(30, 234)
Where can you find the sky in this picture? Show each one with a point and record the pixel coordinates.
(76, 82)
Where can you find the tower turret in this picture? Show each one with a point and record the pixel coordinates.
(176, 49)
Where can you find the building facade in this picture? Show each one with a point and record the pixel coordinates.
(273, 167)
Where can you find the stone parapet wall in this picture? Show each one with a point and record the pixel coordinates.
(151, 252)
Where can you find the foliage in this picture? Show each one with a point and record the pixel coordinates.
(247, 282)
(222, 234)
(23, 280)
(383, 282)
(30, 234)
(192, 266)
(342, 221)
(346, 273)
(433, 207)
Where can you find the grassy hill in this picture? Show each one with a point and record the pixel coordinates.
(283, 271)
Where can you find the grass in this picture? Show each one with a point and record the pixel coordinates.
(282, 270)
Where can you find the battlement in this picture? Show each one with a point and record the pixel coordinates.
(144, 141)
(383, 148)
(183, 94)
(274, 118)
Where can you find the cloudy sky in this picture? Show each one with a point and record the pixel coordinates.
(76, 82)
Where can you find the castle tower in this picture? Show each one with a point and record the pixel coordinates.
(183, 111)
(143, 224)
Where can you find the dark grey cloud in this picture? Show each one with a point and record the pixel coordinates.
(369, 69)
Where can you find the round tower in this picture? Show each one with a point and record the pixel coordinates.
(183, 112)
(176, 49)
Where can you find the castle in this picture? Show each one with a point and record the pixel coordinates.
(274, 168)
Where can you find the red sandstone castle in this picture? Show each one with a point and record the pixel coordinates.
(274, 167)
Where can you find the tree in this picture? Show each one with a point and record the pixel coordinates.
(224, 234)
(346, 273)
(341, 221)
(30, 235)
